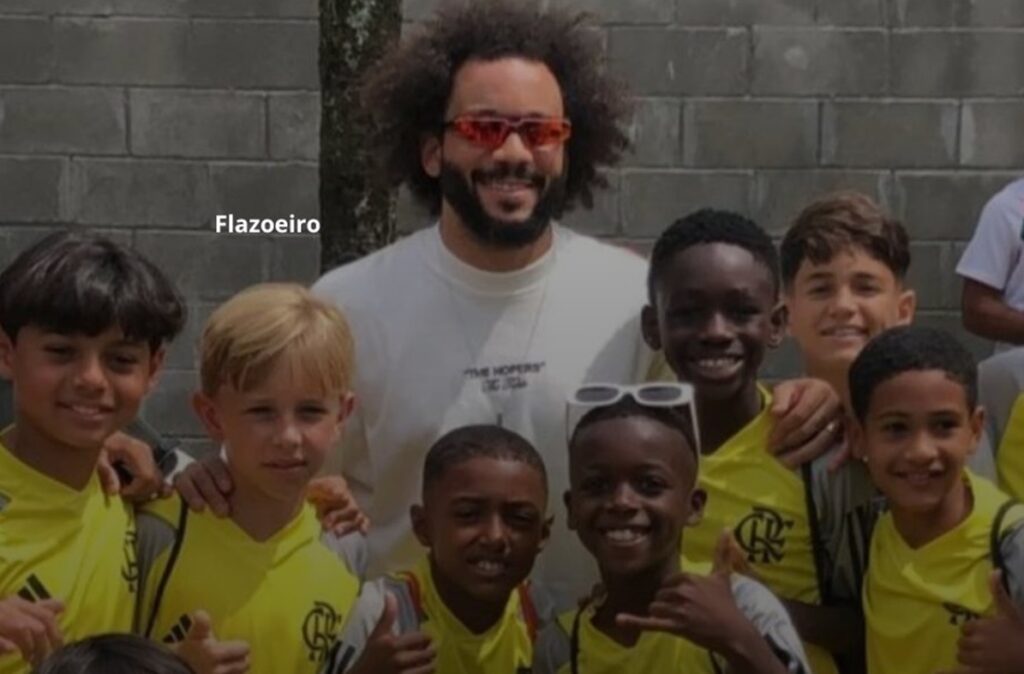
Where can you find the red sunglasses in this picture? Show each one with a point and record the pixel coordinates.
(492, 132)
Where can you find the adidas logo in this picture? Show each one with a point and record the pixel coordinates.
(180, 629)
(34, 590)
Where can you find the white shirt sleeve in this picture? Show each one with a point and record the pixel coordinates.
(769, 616)
(996, 245)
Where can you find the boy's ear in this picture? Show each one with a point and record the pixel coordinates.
(698, 497)
(649, 327)
(430, 155)
(570, 520)
(206, 410)
(906, 307)
(156, 366)
(545, 532)
(779, 318)
(348, 402)
(6, 356)
(418, 517)
(855, 438)
(977, 424)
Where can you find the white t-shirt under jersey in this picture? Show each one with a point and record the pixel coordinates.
(440, 344)
(993, 256)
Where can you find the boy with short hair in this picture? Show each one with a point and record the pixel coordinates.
(949, 555)
(467, 607)
(83, 324)
(633, 487)
(844, 266)
(275, 364)
(714, 310)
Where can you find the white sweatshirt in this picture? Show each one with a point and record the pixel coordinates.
(440, 344)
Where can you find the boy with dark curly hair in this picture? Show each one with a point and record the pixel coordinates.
(943, 590)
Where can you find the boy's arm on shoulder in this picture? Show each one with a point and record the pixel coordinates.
(769, 617)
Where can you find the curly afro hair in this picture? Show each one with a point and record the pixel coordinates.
(405, 96)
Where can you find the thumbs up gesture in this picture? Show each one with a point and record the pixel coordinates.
(387, 653)
(994, 645)
(201, 650)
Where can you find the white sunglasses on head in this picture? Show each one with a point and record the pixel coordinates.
(648, 394)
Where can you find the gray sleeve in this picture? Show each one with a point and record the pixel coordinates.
(548, 604)
(1011, 547)
(847, 505)
(552, 650)
(769, 617)
(352, 550)
(153, 536)
(999, 383)
(358, 627)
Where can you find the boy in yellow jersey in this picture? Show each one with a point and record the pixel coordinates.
(83, 323)
(632, 474)
(715, 311)
(949, 554)
(467, 607)
(275, 364)
(844, 264)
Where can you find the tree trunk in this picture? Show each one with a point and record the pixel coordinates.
(357, 212)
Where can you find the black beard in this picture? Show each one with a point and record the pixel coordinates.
(458, 192)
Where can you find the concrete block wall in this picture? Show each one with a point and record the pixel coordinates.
(145, 119)
(760, 105)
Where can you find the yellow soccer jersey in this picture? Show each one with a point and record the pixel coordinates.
(75, 546)
(765, 504)
(288, 597)
(1010, 457)
(656, 652)
(917, 600)
(653, 652)
(506, 648)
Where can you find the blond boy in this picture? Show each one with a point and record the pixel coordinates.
(262, 589)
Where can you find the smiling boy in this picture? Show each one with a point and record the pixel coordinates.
(714, 310)
(274, 368)
(633, 487)
(844, 266)
(84, 322)
(949, 555)
(466, 608)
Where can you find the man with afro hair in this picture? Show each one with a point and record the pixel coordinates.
(499, 116)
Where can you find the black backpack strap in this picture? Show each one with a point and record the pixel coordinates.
(165, 577)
